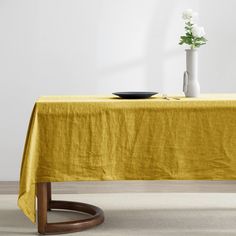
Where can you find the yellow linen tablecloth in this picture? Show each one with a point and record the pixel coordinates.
(74, 138)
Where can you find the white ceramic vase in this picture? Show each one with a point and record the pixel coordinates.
(191, 85)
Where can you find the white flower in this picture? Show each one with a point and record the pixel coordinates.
(187, 14)
(198, 31)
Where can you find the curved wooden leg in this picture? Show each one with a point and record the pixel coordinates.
(45, 203)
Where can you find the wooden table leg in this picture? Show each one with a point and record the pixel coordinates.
(45, 203)
(42, 202)
(49, 194)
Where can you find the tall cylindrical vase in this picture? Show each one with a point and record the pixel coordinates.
(191, 86)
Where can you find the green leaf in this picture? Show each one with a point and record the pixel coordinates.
(189, 39)
(189, 24)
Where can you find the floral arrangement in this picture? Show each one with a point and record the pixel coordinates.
(194, 34)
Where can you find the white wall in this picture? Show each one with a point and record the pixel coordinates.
(101, 46)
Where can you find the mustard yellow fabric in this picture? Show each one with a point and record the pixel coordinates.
(73, 138)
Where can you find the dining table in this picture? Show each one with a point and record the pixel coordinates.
(104, 138)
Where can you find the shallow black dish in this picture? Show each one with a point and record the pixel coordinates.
(135, 95)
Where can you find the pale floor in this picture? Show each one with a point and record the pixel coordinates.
(167, 214)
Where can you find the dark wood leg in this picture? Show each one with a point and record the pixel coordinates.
(42, 207)
(49, 194)
(45, 202)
